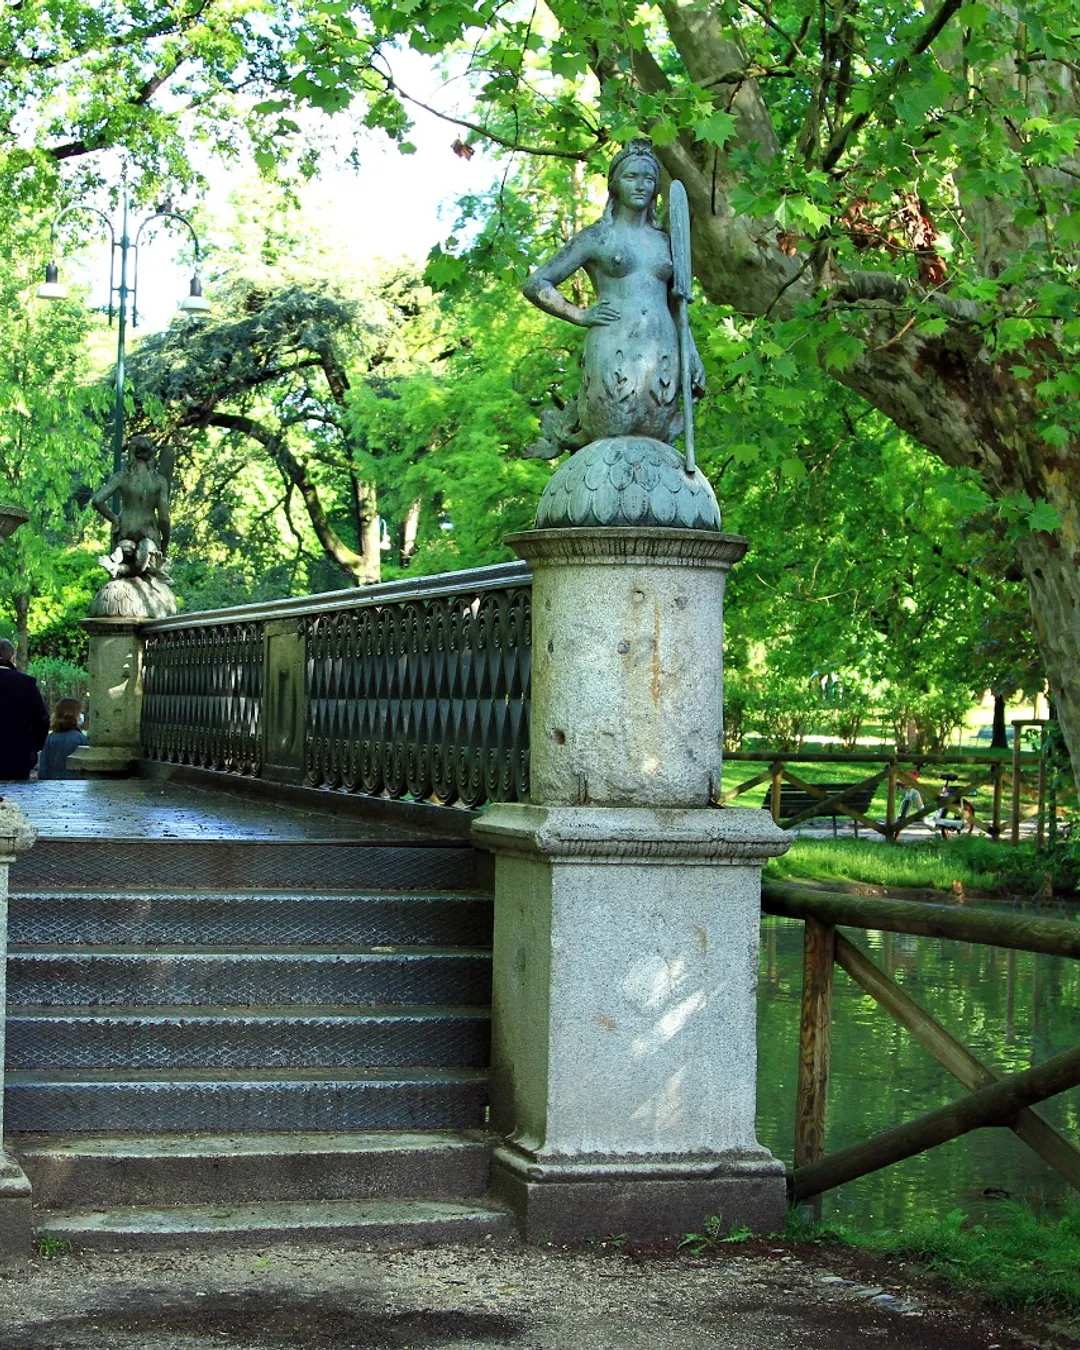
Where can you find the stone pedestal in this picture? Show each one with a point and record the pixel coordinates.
(627, 909)
(16, 1222)
(115, 712)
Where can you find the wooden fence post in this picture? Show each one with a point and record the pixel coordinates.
(1040, 827)
(1016, 786)
(774, 792)
(819, 944)
(997, 779)
(890, 803)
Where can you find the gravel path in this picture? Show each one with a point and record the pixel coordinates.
(751, 1297)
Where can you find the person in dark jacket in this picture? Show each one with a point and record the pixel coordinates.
(64, 737)
(24, 719)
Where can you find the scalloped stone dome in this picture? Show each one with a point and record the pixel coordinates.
(133, 598)
(628, 480)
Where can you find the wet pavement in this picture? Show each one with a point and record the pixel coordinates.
(133, 808)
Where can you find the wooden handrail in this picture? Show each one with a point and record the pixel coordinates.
(993, 1105)
(1032, 1128)
(765, 756)
(1054, 937)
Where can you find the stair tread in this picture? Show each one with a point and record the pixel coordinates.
(185, 951)
(238, 1077)
(308, 1012)
(247, 897)
(271, 1214)
(192, 1145)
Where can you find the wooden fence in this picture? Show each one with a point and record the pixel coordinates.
(992, 1099)
(1013, 798)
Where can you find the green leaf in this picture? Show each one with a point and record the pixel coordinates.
(973, 16)
(964, 495)
(715, 129)
(664, 131)
(1055, 435)
(801, 208)
(1044, 517)
(568, 64)
(1068, 228)
(843, 351)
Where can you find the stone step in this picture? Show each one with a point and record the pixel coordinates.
(305, 1037)
(76, 1172)
(217, 865)
(144, 976)
(446, 920)
(244, 1100)
(342, 1222)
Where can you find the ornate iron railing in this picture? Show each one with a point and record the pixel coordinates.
(202, 696)
(417, 689)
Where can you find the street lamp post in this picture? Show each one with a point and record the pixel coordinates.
(123, 250)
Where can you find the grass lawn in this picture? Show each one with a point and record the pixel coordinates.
(1015, 1257)
(978, 864)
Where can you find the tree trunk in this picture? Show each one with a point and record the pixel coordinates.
(358, 567)
(999, 740)
(409, 531)
(969, 410)
(1053, 579)
(370, 570)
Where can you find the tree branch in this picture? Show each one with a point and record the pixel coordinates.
(840, 138)
(507, 142)
(55, 59)
(350, 562)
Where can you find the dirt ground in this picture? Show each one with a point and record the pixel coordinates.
(754, 1296)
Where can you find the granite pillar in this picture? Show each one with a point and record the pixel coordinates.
(114, 723)
(627, 907)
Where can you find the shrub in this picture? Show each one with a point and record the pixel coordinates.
(782, 712)
(59, 678)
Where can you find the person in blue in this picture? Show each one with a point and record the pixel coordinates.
(24, 719)
(64, 737)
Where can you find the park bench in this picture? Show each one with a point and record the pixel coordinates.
(798, 805)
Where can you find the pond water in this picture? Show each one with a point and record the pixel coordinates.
(1011, 1009)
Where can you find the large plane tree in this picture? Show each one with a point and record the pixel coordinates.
(891, 193)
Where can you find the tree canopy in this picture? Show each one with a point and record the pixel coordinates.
(885, 204)
(892, 195)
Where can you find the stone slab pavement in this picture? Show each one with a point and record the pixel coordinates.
(750, 1296)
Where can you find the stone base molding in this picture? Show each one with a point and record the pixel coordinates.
(650, 1202)
(624, 1030)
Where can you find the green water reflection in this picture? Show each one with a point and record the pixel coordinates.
(1012, 1009)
